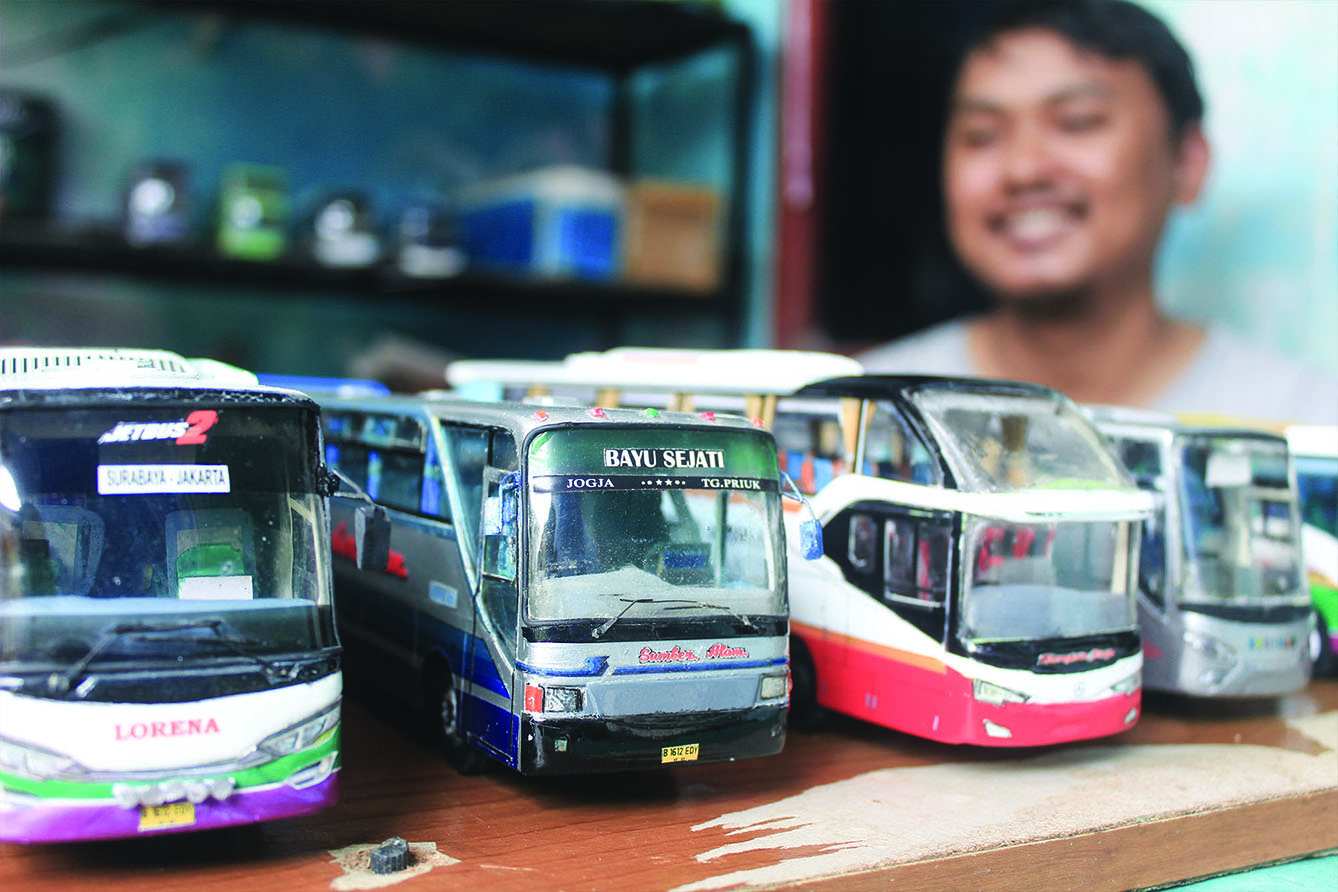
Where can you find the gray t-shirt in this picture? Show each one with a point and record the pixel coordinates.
(1228, 376)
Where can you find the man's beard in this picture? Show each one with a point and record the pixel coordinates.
(1063, 305)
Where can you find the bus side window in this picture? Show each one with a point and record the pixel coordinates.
(1152, 555)
(343, 454)
(894, 451)
(1143, 460)
(809, 448)
(932, 549)
(916, 559)
(433, 501)
(498, 584)
(401, 479)
(503, 453)
(863, 541)
(468, 448)
(899, 556)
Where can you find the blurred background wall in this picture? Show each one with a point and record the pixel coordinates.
(402, 119)
(1260, 249)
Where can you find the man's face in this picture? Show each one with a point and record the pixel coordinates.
(1059, 169)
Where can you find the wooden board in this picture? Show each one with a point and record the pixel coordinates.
(1196, 788)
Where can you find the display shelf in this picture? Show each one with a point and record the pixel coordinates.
(100, 250)
(616, 37)
(848, 807)
(613, 40)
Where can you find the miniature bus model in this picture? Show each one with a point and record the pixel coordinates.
(980, 541)
(568, 590)
(1222, 606)
(168, 658)
(1315, 452)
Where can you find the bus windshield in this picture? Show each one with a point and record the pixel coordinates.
(157, 540)
(1051, 580)
(997, 442)
(1317, 489)
(624, 520)
(1240, 523)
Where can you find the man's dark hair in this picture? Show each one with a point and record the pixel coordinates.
(1116, 29)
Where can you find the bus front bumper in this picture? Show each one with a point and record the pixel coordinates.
(32, 819)
(563, 746)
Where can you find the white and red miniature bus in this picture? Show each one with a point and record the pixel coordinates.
(981, 540)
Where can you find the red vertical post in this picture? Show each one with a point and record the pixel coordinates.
(801, 149)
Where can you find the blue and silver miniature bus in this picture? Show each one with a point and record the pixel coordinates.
(168, 658)
(566, 589)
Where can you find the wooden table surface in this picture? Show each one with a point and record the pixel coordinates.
(1195, 788)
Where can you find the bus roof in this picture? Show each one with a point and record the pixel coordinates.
(663, 369)
(102, 368)
(1105, 417)
(1318, 440)
(1127, 415)
(872, 387)
(522, 418)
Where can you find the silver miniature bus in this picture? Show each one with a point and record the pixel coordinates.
(1222, 605)
(567, 589)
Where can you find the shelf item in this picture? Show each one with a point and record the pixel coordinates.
(560, 222)
(673, 236)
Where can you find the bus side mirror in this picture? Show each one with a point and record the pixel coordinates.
(810, 531)
(810, 539)
(327, 482)
(371, 531)
(500, 509)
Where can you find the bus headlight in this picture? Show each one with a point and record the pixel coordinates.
(299, 737)
(773, 686)
(34, 762)
(996, 694)
(553, 700)
(1214, 650)
(1129, 685)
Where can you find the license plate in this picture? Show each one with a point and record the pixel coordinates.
(686, 753)
(161, 817)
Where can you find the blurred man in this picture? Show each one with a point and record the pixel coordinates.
(1074, 130)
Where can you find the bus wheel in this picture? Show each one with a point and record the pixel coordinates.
(1321, 650)
(805, 713)
(443, 704)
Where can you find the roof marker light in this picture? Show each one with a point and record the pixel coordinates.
(598, 412)
(757, 421)
(709, 416)
(652, 413)
(541, 414)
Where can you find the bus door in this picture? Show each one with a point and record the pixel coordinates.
(901, 560)
(1151, 463)
(377, 608)
(426, 548)
(491, 714)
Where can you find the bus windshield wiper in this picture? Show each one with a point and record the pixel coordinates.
(61, 682)
(235, 644)
(608, 623)
(687, 604)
